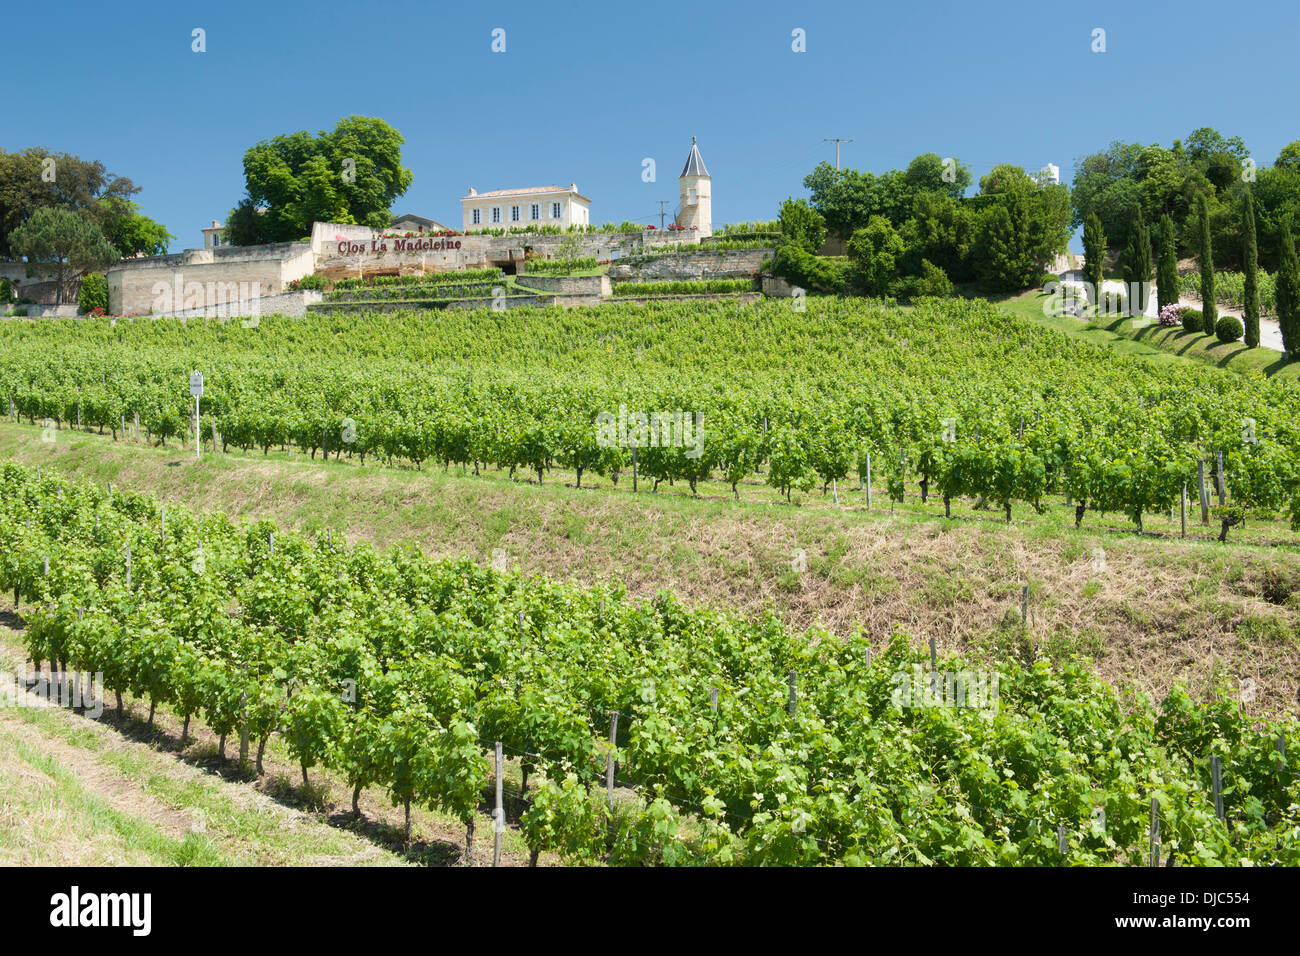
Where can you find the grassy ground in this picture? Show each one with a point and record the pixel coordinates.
(1154, 342)
(114, 791)
(1148, 609)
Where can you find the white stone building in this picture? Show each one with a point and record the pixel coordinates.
(214, 236)
(517, 208)
(696, 196)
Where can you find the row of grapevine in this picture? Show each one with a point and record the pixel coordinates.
(955, 397)
(744, 742)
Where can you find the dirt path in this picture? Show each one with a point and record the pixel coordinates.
(1270, 333)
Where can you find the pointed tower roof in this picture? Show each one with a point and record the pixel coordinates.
(694, 164)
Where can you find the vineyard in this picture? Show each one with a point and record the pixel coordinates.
(684, 287)
(730, 741)
(1230, 289)
(953, 398)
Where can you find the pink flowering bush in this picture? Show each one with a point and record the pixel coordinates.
(1171, 315)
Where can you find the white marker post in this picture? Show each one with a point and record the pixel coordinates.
(196, 389)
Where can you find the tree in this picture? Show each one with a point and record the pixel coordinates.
(1289, 157)
(1250, 255)
(926, 174)
(1003, 178)
(36, 179)
(62, 244)
(1167, 271)
(1094, 254)
(1218, 158)
(93, 294)
(875, 251)
(1209, 309)
(999, 263)
(131, 233)
(1288, 293)
(842, 196)
(802, 225)
(1136, 265)
(569, 252)
(1021, 227)
(942, 230)
(351, 174)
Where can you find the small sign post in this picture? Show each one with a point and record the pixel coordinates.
(196, 389)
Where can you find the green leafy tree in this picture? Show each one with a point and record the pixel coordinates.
(35, 178)
(351, 174)
(802, 225)
(875, 250)
(1209, 309)
(130, 232)
(62, 244)
(1289, 157)
(928, 173)
(1250, 256)
(941, 230)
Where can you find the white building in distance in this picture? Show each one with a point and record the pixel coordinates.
(214, 235)
(514, 208)
(1050, 174)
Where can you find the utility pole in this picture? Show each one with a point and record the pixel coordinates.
(836, 140)
(661, 213)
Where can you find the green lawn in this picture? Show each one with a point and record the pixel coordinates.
(1153, 342)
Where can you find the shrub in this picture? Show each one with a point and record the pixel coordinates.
(6, 290)
(94, 293)
(932, 281)
(812, 273)
(1192, 320)
(314, 281)
(1228, 329)
(1171, 315)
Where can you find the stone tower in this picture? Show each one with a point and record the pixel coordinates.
(697, 201)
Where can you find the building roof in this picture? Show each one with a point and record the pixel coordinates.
(694, 164)
(506, 193)
(426, 223)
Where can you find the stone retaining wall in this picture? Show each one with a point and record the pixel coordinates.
(566, 285)
(673, 266)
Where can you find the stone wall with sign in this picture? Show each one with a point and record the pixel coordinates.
(199, 279)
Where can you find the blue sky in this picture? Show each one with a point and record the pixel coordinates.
(585, 91)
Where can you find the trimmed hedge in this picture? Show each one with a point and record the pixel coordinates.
(1229, 329)
(1191, 320)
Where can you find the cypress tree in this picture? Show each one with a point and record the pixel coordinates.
(1288, 293)
(1094, 255)
(1250, 310)
(1209, 308)
(1167, 272)
(1137, 264)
